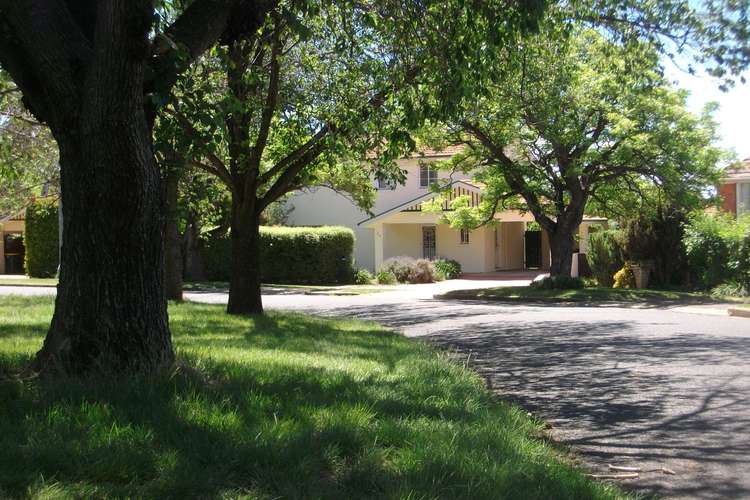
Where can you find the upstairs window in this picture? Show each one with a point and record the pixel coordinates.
(427, 176)
(464, 236)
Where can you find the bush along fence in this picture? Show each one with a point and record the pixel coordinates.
(718, 250)
(703, 251)
(41, 238)
(300, 255)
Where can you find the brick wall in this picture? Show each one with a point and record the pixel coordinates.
(728, 192)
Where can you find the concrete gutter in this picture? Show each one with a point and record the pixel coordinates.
(740, 312)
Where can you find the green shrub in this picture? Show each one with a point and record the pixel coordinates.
(743, 261)
(658, 238)
(362, 277)
(718, 249)
(385, 277)
(41, 238)
(410, 270)
(302, 255)
(447, 269)
(558, 283)
(605, 255)
(730, 289)
(625, 277)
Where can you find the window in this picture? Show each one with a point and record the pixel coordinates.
(427, 176)
(386, 184)
(743, 198)
(464, 236)
(429, 244)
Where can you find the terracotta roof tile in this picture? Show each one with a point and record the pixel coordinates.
(741, 168)
(447, 151)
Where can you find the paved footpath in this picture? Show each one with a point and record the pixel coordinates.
(633, 386)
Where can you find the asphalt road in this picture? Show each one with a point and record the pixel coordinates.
(632, 386)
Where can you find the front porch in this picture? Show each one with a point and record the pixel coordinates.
(506, 246)
(513, 242)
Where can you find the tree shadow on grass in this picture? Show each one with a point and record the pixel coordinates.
(276, 407)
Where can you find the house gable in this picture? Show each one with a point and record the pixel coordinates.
(458, 188)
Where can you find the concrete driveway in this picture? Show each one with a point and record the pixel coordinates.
(641, 387)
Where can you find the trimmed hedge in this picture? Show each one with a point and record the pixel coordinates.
(299, 255)
(41, 239)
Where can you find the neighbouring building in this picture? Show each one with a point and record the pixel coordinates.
(735, 189)
(398, 226)
(12, 250)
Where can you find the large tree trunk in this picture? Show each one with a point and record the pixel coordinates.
(561, 243)
(110, 311)
(244, 284)
(172, 243)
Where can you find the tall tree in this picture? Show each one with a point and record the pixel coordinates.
(28, 153)
(576, 116)
(286, 112)
(95, 72)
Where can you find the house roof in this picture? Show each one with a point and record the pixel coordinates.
(20, 216)
(426, 152)
(738, 172)
(459, 188)
(433, 153)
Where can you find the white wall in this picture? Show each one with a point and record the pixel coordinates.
(471, 256)
(325, 207)
(402, 239)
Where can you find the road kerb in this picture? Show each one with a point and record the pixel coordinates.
(739, 312)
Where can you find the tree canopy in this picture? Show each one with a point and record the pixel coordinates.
(573, 118)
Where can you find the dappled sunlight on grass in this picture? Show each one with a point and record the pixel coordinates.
(278, 406)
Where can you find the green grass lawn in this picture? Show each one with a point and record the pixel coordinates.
(588, 294)
(284, 406)
(28, 281)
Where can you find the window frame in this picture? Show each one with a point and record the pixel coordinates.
(464, 237)
(431, 176)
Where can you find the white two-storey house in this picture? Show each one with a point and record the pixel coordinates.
(398, 226)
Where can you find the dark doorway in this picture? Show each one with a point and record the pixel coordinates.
(15, 252)
(429, 245)
(533, 247)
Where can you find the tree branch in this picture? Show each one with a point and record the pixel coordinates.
(199, 27)
(211, 169)
(512, 177)
(272, 96)
(217, 166)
